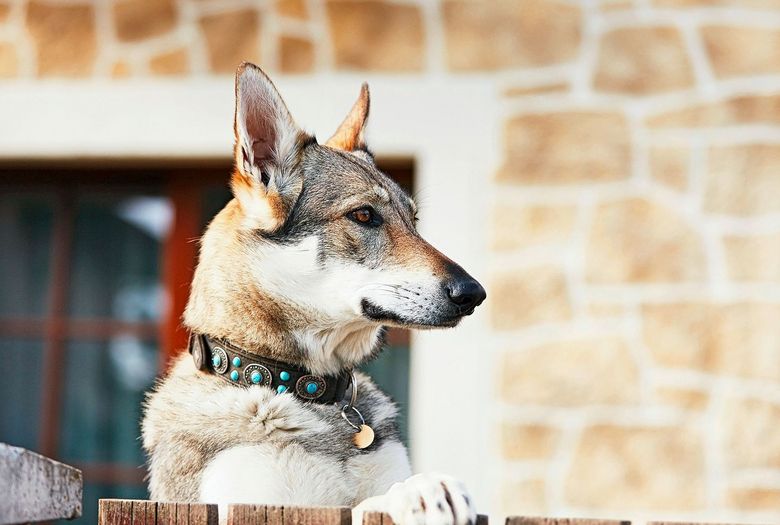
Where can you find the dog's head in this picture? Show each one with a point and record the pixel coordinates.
(324, 232)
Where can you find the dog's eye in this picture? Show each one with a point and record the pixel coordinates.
(366, 216)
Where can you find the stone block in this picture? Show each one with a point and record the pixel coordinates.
(735, 111)
(137, 20)
(742, 50)
(643, 61)
(231, 38)
(751, 439)
(63, 37)
(638, 468)
(566, 148)
(521, 226)
(296, 55)
(596, 371)
(739, 340)
(742, 180)
(376, 36)
(638, 241)
(505, 34)
(171, 63)
(526, 297)
(528, 441)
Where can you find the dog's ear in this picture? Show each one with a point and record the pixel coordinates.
(268, 141)
(349, 136)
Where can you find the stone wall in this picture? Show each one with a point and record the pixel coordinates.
(635, 290)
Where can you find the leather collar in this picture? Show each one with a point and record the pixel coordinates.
(242, 368)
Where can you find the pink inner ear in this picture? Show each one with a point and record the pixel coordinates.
(262, 131)
(262, 151)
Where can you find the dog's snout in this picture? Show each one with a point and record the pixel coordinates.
(466, 293)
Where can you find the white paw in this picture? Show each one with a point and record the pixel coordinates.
(431, 499)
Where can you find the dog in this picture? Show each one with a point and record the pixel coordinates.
(297, 276)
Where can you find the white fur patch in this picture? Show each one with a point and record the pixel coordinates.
(425, 498)
(335, 292)
(289, 475)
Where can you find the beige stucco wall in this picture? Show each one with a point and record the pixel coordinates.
(634, 311)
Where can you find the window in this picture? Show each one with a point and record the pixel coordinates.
(90, 259)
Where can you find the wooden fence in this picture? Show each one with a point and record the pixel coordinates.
(139, 512)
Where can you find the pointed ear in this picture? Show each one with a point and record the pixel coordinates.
(265, 181)
(349, 136)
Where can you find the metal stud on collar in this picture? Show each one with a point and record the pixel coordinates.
(219, 360)
(255, 374)
(310, 386)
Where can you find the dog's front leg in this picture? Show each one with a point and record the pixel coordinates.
(432, 499)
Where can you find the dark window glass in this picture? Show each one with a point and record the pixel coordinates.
(25, 235)
(214, 198)
(104, 388)
(20, 391)
(117, 256)
(390, 371)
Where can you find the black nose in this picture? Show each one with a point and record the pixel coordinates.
(466, 293)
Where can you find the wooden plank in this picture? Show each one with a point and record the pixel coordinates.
(246, 515)
(125, 512)
(36, 488)
(109, 511)
(376, 518)
(166, 513)
(317, 515)
(203, 514)
(144, 512)
(274, 515)
(523, 520)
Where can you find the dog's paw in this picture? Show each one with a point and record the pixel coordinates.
(431, 499)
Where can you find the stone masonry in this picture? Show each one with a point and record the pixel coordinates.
(635, 239)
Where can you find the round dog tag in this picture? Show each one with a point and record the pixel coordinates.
(364, 437)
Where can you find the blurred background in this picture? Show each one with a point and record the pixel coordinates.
(610, 170)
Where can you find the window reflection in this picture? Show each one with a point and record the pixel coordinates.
(117, 253)
(104, 389)
(25, 235)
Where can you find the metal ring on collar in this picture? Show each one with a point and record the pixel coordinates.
(346, 418)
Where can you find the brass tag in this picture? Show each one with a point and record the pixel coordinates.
(364, 437)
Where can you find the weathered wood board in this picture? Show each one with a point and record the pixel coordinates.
(36, 488)
(140, 512)
(281, 515)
